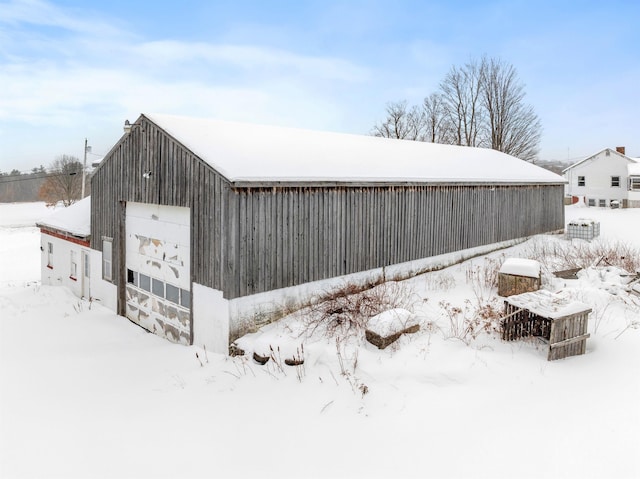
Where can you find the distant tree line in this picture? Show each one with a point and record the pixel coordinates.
(479, 104)
(61, 182)
(16, 186)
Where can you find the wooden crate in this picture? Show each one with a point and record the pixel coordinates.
(517, 276)
(556, 319)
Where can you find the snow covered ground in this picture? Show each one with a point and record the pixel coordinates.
(85, 393)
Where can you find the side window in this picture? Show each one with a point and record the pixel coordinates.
(107, 259)
(581, 181)
(602, 203)
(591, 202)
(73, 273)
(50, 255)
(615, 181)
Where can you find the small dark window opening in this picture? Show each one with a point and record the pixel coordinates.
(581, 181)
(132, 277)
(615, 181)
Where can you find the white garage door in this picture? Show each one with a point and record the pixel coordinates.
(158, 273)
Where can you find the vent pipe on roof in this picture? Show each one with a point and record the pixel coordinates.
(127, 126)
(621, 150)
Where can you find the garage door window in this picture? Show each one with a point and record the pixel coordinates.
(157, 287)
(185, 298)
(173, 294)
(145, 282)
(132, 277)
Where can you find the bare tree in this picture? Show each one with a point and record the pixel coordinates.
(401, 123)
(461, 92)
(513, 126)
(479, 104)
(437, 126)
(64, 182)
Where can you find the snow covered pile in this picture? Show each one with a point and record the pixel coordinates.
(521, 267)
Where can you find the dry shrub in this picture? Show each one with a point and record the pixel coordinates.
(441, 281)
(484, 277)
(344, 313)
(561, 255)
(468, 322)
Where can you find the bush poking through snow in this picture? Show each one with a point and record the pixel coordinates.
(468, 322)
(564, 255)
(345, 313)
(298, 362)
(484, 278)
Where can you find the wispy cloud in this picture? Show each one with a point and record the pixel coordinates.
(105, 68)
(61, 71)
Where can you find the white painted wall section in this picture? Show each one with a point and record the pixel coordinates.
(56, 268)
(210, 319)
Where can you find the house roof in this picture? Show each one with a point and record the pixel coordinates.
(75, 219)
(634, 168)
(258, 153)
(594, 155)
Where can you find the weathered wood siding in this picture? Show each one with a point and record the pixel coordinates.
(178, 178)
(283, 236)
(248, 239)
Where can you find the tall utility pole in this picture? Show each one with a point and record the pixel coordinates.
(84, 166)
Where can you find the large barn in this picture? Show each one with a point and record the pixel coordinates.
(205, 225)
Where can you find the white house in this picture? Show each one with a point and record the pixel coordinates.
(67, 258)
(607, 176)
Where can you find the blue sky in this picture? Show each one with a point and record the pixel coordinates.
(72, 69)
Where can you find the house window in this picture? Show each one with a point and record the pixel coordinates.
(73, 273)
(50, 255)
(615, 181)
(634, 183)
(107, 259)
(87, 265)
(602, 203)
(581, 181)
(591, 202)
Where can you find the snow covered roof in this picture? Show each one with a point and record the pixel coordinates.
(634, 168)
(251, 153)
(594, 155)
(547, 304)
(75, 219)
